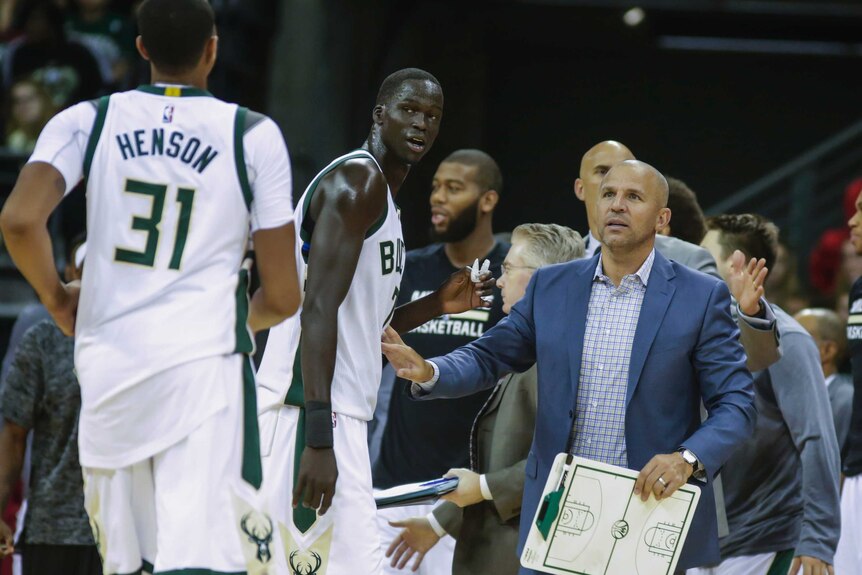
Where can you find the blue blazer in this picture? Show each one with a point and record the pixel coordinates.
(686, 349)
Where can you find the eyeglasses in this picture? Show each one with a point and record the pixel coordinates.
(507, 268)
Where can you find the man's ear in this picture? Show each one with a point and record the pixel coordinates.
(663, 220)
(377, 114)
(828, 351)
(489, 201)
(142, 50)
(579, 189)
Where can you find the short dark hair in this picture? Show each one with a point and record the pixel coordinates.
(753, 235)
(687, 221)
(393, 82)
(175, 32)
(488, 175)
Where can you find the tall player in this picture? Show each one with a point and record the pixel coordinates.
(320, 372)
(175, 178)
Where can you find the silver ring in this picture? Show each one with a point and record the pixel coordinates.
(663, 482)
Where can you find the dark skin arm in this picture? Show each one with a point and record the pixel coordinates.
(278, 296)
(457, 294)
(13, 443)
(345, 205)
(24, 220)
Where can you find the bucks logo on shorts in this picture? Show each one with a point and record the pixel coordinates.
(258, 528)
(304, 563)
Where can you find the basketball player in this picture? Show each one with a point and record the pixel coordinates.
(321, 369)
(168, 434)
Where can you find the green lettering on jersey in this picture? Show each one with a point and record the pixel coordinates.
(186, 198)
(150, 224)
(387, 257)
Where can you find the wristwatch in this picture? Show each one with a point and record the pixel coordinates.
(698, 471)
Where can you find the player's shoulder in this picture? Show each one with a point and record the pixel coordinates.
(355, 175)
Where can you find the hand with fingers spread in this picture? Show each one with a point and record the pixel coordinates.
(407, 363)
(315, 483)
(7, 546)
(415, 540)
(810, 566)
(662, 476)
(460, 292)
(746, 282)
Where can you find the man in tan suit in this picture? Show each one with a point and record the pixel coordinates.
(483, 513)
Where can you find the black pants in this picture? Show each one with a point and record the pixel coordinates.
(61, 560)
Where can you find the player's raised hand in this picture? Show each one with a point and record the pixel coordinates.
(64, 308)
(417, 537)
(746, 282)
(6, 540)
(315, 483)
(407, 363)
(460, 292)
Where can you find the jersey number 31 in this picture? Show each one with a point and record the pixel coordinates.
(150, 225)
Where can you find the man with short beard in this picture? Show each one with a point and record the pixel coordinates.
(464, 192)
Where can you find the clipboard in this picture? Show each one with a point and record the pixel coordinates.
(415, 493)
(590, 523)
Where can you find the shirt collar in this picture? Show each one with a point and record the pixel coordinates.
(593, 245)
(830, 379)
(643, 273)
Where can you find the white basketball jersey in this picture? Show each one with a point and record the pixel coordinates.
(362, 316)
(168, 223)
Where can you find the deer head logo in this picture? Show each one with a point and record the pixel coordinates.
(304, 566)
(258, 534)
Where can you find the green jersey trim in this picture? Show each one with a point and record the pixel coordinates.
(174, 91)
(95, 134)
(239, 154)
(244, 343)
(305, 232)
(252, 466)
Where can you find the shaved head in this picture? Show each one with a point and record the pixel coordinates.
(823, 324)
(606, 154)
(652, 178)
(594, 165)
(632, 204)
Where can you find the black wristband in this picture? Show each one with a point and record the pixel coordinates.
(318, 424)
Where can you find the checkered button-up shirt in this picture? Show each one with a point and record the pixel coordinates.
(612, 318)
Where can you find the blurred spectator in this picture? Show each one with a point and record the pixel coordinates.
(686, 222)
(110, 36)
(827, 329)
(40, 393)
(782, 283)
(781, 485)
(29, 109)
(825, 260)
(67, 68)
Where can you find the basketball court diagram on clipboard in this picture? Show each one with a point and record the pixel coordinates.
(591, 523)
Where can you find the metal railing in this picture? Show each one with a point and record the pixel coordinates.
(804, 197)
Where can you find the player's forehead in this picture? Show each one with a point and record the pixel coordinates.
(421, 92)
(456, 171)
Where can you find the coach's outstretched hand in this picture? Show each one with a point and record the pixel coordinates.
(416, 539)
(407, 363)
(315, 485)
